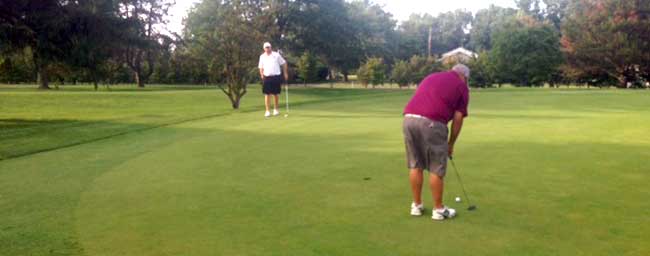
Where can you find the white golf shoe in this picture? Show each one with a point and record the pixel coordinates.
(444, 213)
(276, 112)
(267, 114)
(416, 210)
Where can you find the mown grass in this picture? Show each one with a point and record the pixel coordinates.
(177, 172)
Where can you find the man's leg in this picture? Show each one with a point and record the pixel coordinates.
(277, 97)
(266, 102)
(436, 184)
(416, 178)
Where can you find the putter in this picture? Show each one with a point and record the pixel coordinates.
(470, 207)
(287, 94)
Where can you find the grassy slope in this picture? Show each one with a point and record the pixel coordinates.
(553, 172)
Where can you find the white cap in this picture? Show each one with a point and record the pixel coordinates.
(267, 44)
(461, 69)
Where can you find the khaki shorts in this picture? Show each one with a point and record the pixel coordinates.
(426, 145)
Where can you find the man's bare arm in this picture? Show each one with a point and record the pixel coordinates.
(456, 126)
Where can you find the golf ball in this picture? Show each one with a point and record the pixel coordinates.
(457, 199)
(286, 115)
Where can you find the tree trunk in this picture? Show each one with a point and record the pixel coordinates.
(622, 81)
(43, 78)
(94, 77)
(138, 79)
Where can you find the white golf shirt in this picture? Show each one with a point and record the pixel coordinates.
(271, 64)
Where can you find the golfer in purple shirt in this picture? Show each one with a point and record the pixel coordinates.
(440, 98)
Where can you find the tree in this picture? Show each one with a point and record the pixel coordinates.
(94, 31)
(607, 37)
(556, 11)
(482, 72)
(372, 72)
(141, 44)
(226, 35)
(525, 55)
(486, 23)
(37, 25)
(421, 66)
(401, 74)
(324, 28)
(447, 31)
(187, 67)
(413, 35)
(17, 67)
(374, 29)
(307, 69)
(530, 8)
(378, 71)
(163, 72)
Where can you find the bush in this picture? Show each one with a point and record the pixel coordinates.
(307, 68)
(372, 72)
(481, 75)
(525, 56)
(420, 67)
(401, 73)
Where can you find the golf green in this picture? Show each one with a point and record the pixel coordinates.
(172, 171)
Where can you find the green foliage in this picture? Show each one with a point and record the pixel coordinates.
(227, 36)
(88, 37)
(364, 75)
(94, 29)
(525, 55)
(141, 44)
(372, 72)
(307, 68)
(421, 66)
(17, 67)
(448, 32)
(556, 11)
(486, 23)
(481, 71)
(374, 29)
(607, 37)
(401, 73)
(119, 41)
(38, 25)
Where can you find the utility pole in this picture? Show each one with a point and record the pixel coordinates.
(430, 39)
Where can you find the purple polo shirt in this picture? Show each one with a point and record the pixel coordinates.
(439, 96)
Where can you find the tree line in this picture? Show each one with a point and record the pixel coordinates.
(598, 42)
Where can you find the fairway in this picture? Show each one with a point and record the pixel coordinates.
(172, 171)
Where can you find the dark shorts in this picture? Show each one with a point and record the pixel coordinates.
(426, 145)
(272, 85)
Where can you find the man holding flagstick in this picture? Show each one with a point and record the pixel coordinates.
(271, 74)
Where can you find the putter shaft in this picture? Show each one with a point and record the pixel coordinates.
(462, 186)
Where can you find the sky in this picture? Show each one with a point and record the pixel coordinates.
(401, 9)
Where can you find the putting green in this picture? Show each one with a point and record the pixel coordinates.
(174, 172)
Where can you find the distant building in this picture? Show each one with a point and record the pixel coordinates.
(458, 55)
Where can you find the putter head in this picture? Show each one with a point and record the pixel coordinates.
(471, 208)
